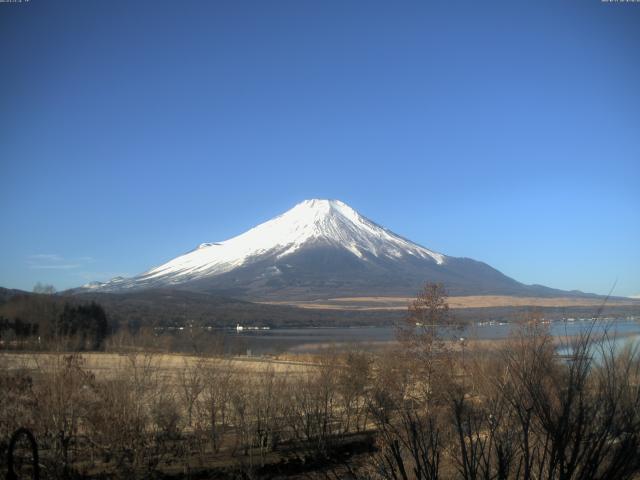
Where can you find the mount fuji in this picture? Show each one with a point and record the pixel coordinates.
(321, 249)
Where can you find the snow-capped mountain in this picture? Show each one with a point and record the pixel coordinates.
(319, 248)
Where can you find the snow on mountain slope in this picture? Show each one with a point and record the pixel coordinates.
(328, 221)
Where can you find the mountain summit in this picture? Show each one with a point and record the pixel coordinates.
(325, 222)
(320, 249)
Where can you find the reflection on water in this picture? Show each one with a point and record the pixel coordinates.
(604, 347)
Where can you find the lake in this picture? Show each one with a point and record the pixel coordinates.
(310, 339)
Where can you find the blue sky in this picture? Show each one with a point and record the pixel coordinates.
(508, 132)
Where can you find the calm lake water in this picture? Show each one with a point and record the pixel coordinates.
(309, 339)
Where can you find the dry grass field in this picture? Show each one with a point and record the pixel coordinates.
(111, 364)
(472, 301)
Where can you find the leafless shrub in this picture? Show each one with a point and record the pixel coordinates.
(191, 386)
(62, 403)
(214, 407)
(354, 378)
(313, 415)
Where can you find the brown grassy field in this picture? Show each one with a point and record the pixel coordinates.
(472, 301)
(108, 364)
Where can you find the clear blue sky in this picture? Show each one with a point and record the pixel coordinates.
(509, 132)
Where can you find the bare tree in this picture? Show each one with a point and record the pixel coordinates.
(314, 406)
(354, 377)
(62, 404)
(215, 403)
(45, 289)
(423, 347)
